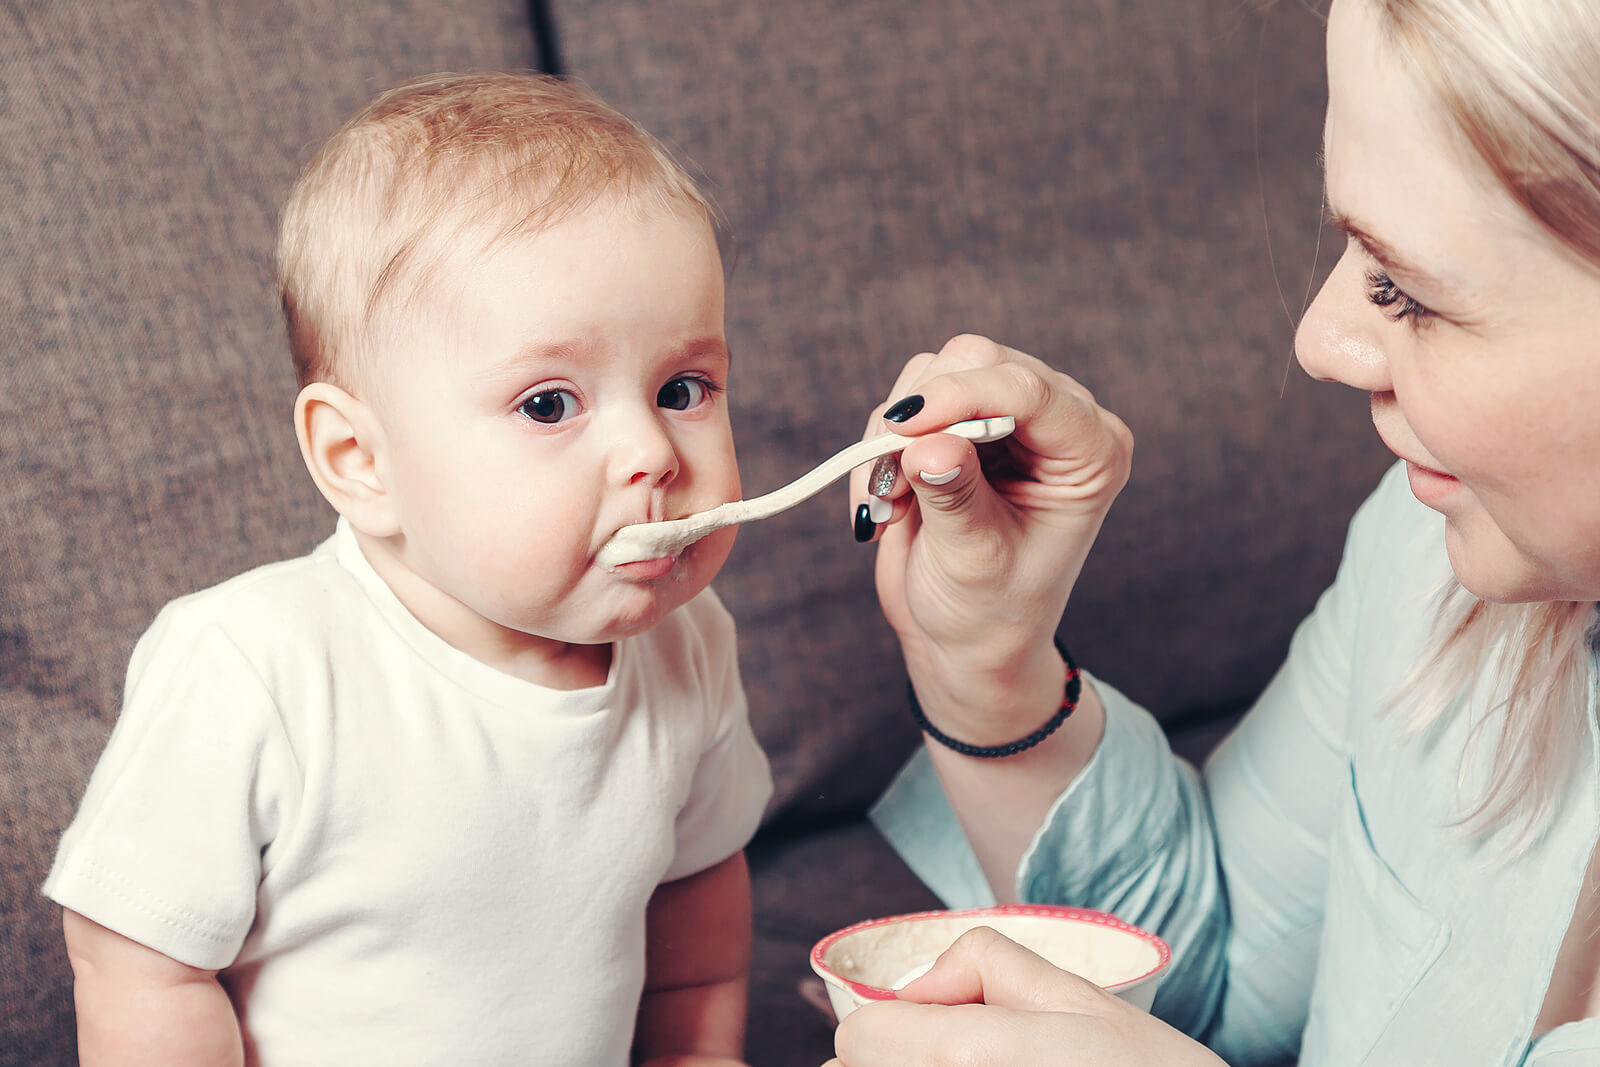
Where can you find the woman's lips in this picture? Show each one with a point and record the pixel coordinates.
(1428, 485)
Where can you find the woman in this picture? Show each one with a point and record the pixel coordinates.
(1407, 820)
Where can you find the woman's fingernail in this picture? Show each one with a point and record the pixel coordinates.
(881, 481)
(941, 479)
(865, 527)
(879, 509)
(904, 409)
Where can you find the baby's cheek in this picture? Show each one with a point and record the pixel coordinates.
(706, 557)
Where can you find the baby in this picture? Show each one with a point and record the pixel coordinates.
(446, 790)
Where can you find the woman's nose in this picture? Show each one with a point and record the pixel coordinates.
(1338, 337)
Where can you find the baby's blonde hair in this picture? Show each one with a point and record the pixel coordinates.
(425, 169)
(1521, 81)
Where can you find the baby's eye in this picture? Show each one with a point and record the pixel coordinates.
(681, 394)
(549, 407)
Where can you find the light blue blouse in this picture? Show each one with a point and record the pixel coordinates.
(1317, 898)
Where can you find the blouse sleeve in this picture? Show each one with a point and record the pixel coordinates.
(1229, 866)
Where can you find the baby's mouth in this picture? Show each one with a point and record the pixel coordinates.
(646, 569)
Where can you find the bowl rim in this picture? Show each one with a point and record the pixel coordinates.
(1049, 911)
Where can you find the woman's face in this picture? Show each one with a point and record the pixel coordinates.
(1476, 333)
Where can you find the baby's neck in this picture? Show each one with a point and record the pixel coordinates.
(569, 667)
(541, 660)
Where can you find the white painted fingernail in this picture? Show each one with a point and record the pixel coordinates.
(879, 508)
(941, 479)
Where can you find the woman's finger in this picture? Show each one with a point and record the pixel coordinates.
(1058, 420)
(900, 1034)
(861, 479)
(985, 967)
(957, 504)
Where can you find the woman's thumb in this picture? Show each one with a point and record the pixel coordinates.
(984, 967)
(953, 497)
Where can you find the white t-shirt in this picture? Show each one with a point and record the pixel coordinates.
(396, 853)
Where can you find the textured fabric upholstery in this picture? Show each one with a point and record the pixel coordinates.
(1093, 181)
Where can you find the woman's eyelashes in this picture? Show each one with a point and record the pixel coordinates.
(1395, 301)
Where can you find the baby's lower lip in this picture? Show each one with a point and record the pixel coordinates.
(1429, 486)
(647, 568)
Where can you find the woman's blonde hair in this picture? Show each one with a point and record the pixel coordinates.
(445, 165)
(1521, 80)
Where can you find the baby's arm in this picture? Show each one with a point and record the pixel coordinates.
(137, 1006)
(697, 963)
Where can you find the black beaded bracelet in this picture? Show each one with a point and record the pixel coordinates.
(1069, 704)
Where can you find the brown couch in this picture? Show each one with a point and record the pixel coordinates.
(1107, 185)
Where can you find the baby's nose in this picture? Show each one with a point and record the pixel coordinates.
(646, 454)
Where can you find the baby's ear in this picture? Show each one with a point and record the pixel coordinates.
(341, 440)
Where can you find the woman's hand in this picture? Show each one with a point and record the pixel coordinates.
(974, 570)
(989, 1000)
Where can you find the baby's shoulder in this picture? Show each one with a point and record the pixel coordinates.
(291, 605)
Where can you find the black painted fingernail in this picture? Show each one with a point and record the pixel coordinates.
(904, 409)
(865, 527)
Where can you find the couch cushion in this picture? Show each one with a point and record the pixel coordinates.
(145, 443)
(1095, 183)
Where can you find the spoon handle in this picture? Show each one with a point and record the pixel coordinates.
(649, 540)
(832, 469)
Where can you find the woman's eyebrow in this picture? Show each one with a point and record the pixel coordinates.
(1387, 254)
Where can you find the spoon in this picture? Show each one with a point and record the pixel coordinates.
(652, 540)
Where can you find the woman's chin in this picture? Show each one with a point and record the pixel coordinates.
(1491, 569)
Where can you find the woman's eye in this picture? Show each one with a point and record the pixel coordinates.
(550, 406)
(681, 394)
(1384, 293)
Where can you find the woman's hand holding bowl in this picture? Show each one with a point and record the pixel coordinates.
(989, 1000)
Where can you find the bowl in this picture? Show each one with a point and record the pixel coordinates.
(871, 959)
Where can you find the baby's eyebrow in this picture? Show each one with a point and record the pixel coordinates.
(546, 352)
(704, 346)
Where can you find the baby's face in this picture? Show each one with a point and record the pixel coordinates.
(570, 384)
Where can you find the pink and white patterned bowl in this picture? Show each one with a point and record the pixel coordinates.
(871, 959)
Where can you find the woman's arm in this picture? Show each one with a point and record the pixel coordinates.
(975, 571)
(697, 963)
(136, 1006)
(1000, 804)
(1103, 813)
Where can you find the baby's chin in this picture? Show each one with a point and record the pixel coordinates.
(642, 606)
